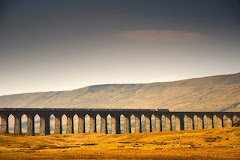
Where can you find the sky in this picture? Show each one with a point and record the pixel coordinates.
(54, 45)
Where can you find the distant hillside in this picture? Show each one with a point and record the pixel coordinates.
(216, 93)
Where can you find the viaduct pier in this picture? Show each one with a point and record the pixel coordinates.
(131, 120)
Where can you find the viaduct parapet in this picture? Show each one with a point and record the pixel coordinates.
(114, 121)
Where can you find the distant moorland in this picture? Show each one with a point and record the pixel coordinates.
(216, 93)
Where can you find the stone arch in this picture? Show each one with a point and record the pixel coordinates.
(24, 124)
(200, 121)
(122, 123)
(109, 123)
(127, 123)
(11, 123)
(209, 121)
(185, 119)
(153, 123)
(102, 127)
(173, 122)
(87, 123)
(236, 121)
(166, 122)
(227, 120)
(214, 121)
(224, 121)
(205, 121)
(81, 122)
(143, 123)
(218, 121)
(64, 123)
(177, 122)
(195, 122)
(75, 123)
(52, 120)
(163, 122)
(190, 121)
(4, 123)
(133, 123)
(138, 123)
(36, 121)
(98, 123)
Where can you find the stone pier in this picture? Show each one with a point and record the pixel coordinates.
(70, 123)
(127, 125)
(200, 124)
(147, 123)
(92, 125)
(17, 124)
(103, 129)
(219, 121)
(58, 124)
(168, 122)
(44, 125)
(137, 123)
(229, 121)
(157, 123)
(81, 123)
(190, 122)
(210, 123)
(30, 125)
(4, 123)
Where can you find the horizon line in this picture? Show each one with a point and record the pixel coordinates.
(119, 84)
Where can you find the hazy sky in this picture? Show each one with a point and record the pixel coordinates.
(50, 45)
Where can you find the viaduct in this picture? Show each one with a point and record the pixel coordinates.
(147, 120)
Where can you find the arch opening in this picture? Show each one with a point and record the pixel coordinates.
(52, 124)
(163, 121)
(236, 121)
(11, 122)
(205, 122)
(143, 123)
(36, 124)
(214, 121)
(195, 122)
(173, 122)
(122, 124)
(225, 123)
(87, 123)
(185, 119)
(109, 124)
(24, 124)
(75, 123)
(64, 124)
(98, 123)
(153, 123)
(133, 124)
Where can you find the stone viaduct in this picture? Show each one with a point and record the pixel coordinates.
(143, 120)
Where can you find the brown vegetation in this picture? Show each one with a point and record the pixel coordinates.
(217, 93)
(196, 144)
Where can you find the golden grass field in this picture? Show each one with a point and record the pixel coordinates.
(196, 144)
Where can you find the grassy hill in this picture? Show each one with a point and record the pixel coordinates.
(216, 93)
(195, 144)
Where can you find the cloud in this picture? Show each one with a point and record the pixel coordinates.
(163, 35)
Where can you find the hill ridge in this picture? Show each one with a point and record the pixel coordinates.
(214, 93)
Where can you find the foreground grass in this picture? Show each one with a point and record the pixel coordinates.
(197, 144)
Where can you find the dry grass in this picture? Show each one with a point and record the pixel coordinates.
(197, 144)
